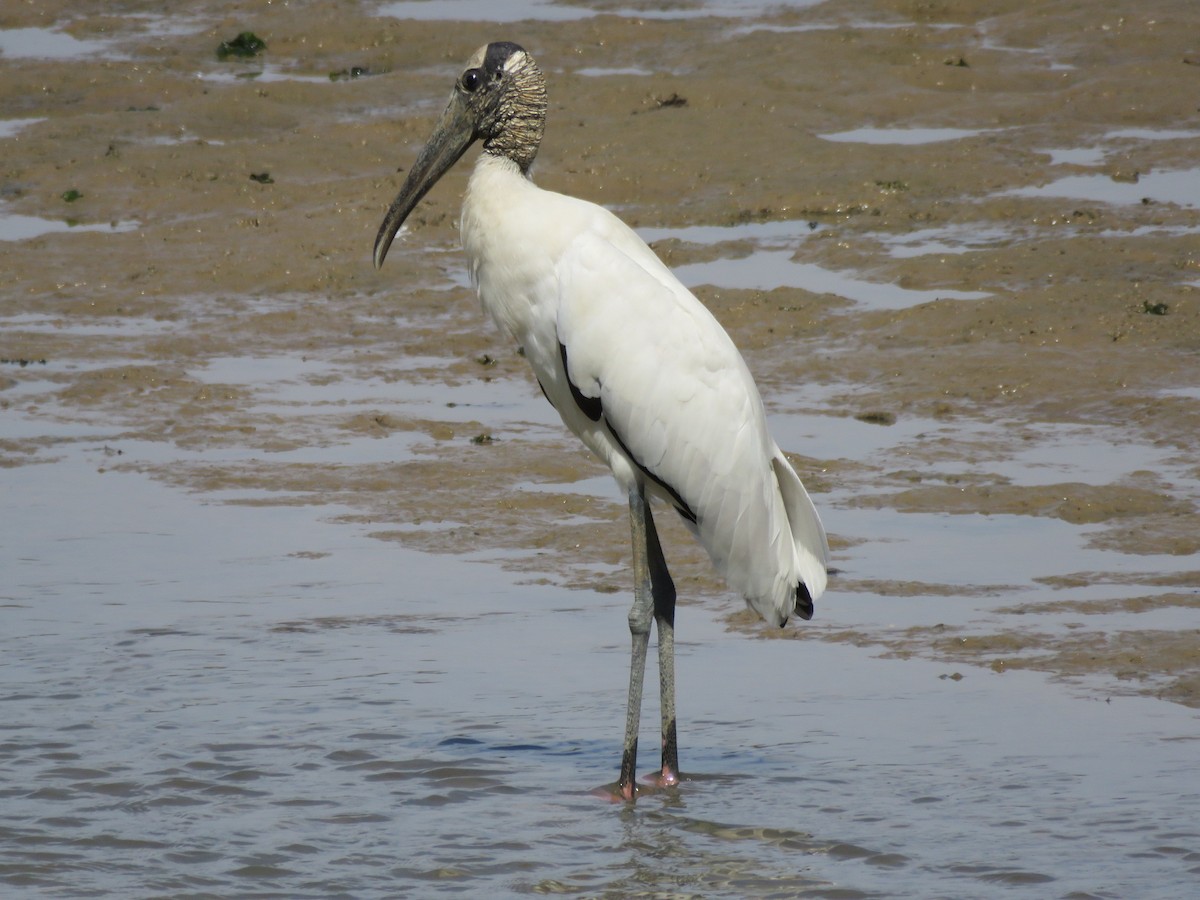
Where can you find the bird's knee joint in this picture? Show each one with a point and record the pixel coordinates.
(639, 620)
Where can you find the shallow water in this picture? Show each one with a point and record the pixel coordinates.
(315, 714)
(774, 262)
(768, 269)
(551, 11)
(11, 127)
(1180, 187)
(14, 227)
(46, 43)
(902, 136)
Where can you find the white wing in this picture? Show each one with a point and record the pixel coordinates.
(679, 402)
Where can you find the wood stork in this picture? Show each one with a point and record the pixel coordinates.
(636, 366)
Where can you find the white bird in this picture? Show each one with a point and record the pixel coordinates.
(636, 366)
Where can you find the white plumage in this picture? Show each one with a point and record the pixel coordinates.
(636, 366)
(671, 383)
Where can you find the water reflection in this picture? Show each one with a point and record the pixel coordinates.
(46, 43)
(1181, 188)
(14, 227)
(12, 127)
(769, 269)
(907, 136)
(551, 11)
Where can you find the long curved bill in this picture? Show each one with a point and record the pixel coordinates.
(455, 132)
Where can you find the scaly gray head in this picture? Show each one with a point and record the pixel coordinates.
(500, 98)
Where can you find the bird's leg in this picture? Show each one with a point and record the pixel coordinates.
(653, 598)
(663, 589)
(640, 615)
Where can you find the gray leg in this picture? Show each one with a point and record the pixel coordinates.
(653, 597)
(640, 615)
(664, 617)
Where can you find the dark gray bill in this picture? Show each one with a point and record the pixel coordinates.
(455, 132)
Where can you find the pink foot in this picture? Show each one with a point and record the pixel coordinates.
(649, 784)
(664, 779)
(616, 793)
(668, 778)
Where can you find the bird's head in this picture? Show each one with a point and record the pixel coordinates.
(500, 99)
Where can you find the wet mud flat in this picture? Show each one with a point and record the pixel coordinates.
(958, 253)
(956, 243)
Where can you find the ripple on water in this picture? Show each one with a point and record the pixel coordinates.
(269, 693)
(164, 729)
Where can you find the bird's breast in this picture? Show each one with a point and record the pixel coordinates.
(512, 244)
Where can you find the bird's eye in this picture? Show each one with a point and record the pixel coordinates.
(471, 80)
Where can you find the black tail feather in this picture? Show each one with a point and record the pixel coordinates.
(804, 601)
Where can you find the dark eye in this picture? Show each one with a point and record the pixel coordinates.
(471, 80)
